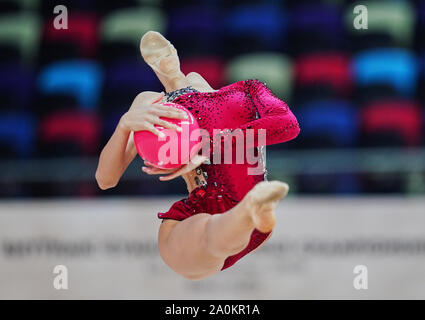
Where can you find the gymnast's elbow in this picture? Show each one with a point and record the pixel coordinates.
(292, 128)
(296, 130)
(103, 182)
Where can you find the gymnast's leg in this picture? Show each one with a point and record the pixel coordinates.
(198, 246)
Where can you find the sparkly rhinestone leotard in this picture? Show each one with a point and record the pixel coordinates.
(243, 105)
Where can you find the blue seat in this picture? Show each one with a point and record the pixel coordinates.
(198, 22)
(16, 85)
(123, 81)
(394, 67)
(330, 124)
(17, 133)
(266, 23)
(81, 79)
(317, 17)
(423, 65)
(126, 74)
(331, 121)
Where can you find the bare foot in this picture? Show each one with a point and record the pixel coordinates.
(261, 202)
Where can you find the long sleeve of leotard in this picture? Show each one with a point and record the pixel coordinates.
(274, 115)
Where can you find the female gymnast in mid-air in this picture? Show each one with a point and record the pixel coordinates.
(228, 212)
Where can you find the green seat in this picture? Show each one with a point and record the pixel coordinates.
(395, 18)
(22, 31)
(130, 24)
(273, 68)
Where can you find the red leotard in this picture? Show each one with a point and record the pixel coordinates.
(242, 105)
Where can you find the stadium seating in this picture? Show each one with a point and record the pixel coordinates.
(393, 18)
(395, 67)
(200, 24)
(123, 81)
(328, 124)
(130, 24)
(22, 32)
(17, 134)
(46, 7)
(16, 86)
(82, 30)
(249, 28)
(110, 122)
(79, 78)
(25, 4)
(130, 74)
(211, 68)
(69, 133)
(392, 123)
(349, 88)
(109, 7)
(331, 69)
(317, 16)
(421, 14)
(263, 66)
(7, 7)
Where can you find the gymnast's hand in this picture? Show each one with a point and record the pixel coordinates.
(145, 112)
(195, 162)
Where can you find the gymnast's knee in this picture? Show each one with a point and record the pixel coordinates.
(201, 276)
(194, 277)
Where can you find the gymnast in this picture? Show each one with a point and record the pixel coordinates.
(228, 211)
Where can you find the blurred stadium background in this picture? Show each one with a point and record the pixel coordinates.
(358, 95)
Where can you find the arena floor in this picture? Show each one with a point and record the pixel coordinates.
(110, 251)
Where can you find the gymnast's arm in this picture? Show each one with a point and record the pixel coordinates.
(120, 150)
(115, 157)
(275, 117)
